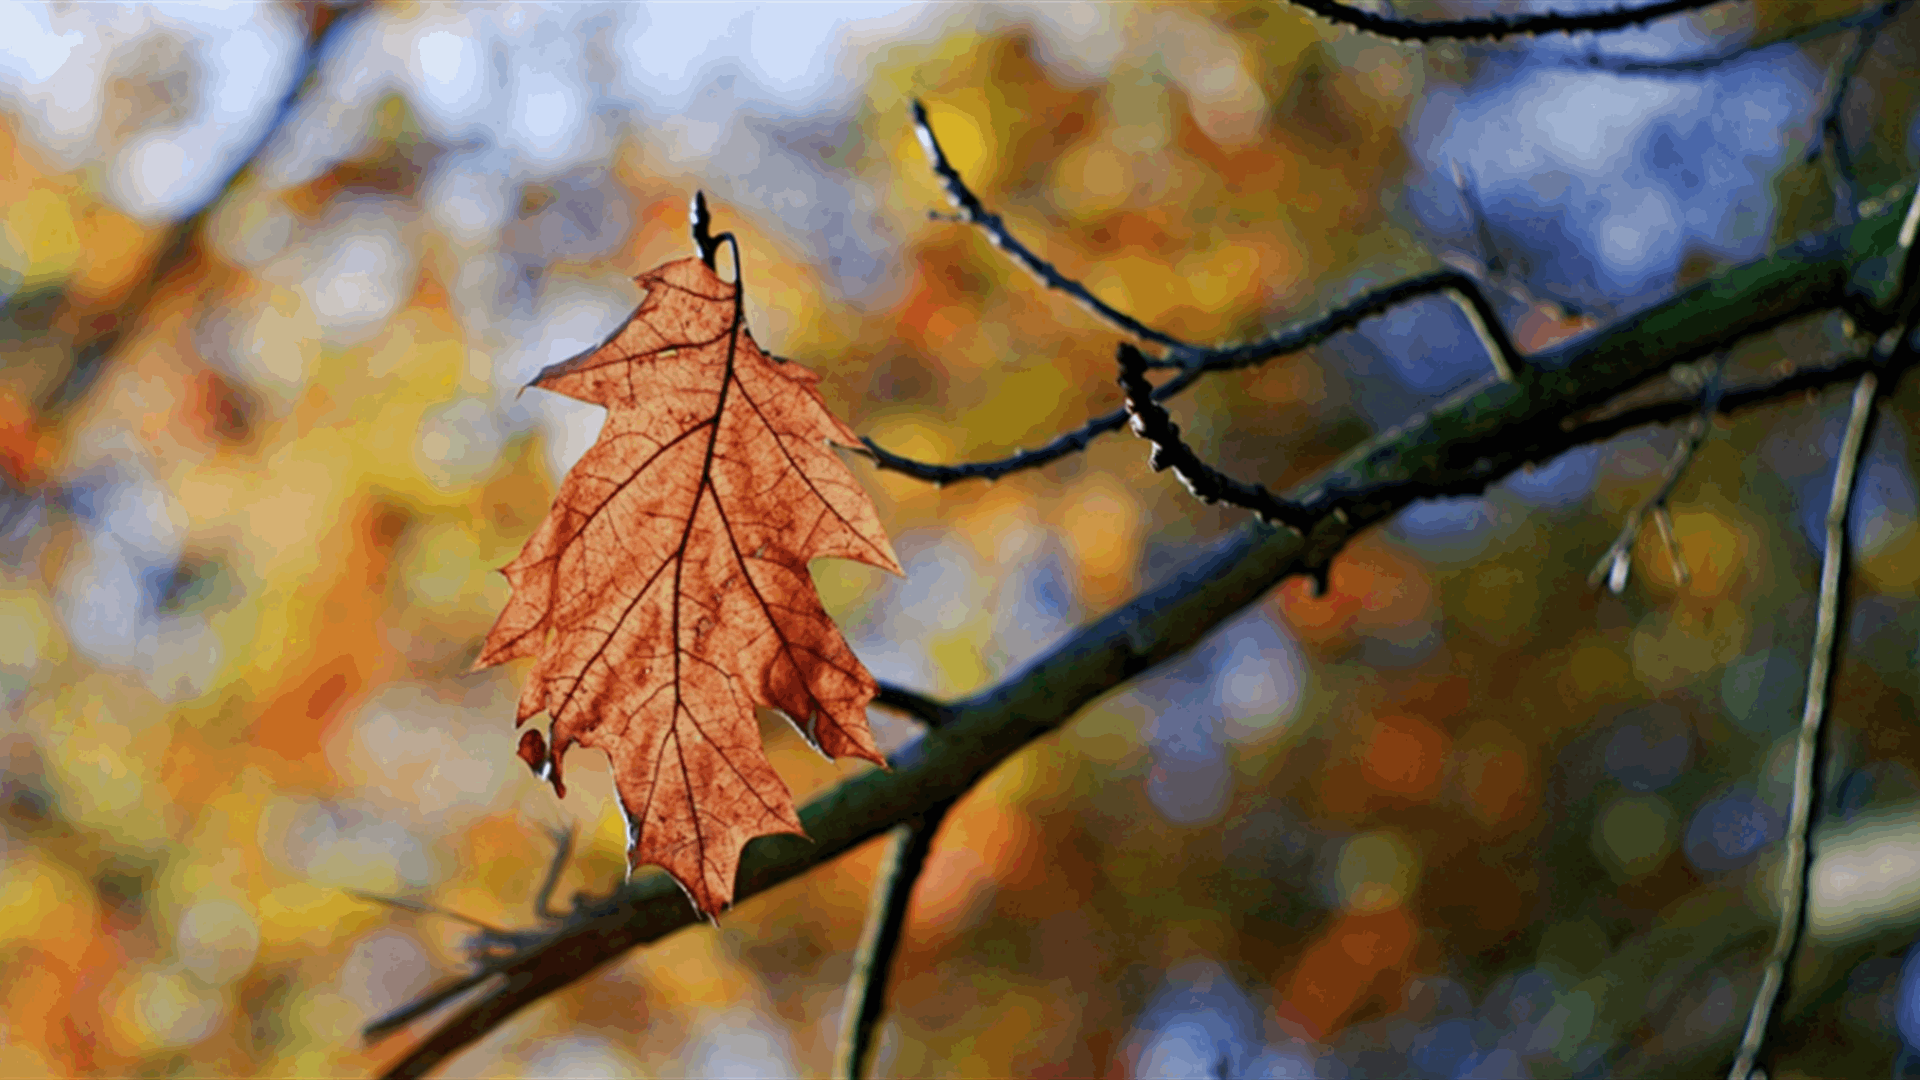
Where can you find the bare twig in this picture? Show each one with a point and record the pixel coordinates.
(543, 900)
(1472, 440)
(1185, 354)
(1494, 27)
(421, 907)
(487, 950)
(1696, 64)
(103, 333)
(1830, 133)
(1892, 354)
(1613, 566)
(1806, 782)
(1152, 422)
(1482, 232)
(1189, 359)
(873, 960)
(1293, 339)
(973, 212)
(912, 703)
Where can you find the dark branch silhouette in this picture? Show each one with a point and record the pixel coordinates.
(1190, 359)
(974, 213)
(1494, 27)
(1829, 134)
(879, 943)
(1152, 422)
(1872, 18)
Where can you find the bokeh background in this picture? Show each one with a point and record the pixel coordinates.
(1461, 817)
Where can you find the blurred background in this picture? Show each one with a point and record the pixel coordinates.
(262, 449)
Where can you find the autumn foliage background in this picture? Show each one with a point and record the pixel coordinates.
(1397, 828)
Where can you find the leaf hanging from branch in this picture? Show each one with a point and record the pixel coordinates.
(666, 595)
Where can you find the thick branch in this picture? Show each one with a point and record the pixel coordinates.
(1469, 442)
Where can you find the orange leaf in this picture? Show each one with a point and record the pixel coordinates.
(667, 595)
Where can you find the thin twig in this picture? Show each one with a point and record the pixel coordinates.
(1892, 354)
(974, 213)
(1186, 355)
(487, 950)
(1189, 359)
(1613, 567)
(1152, 422)
(421, 907)
(543, 900)
(103, 333)
(1830, 133)
(912, 703)
(1494, 27)
(880, 942)
(1697, 64)
(1467, 290)
(1806, 781)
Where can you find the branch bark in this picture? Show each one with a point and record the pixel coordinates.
(1463, 445)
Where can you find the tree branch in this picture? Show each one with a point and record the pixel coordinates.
(1191, 360)
(886, 925)
(1152, 422)
(1505, 358)
(1494, 27)
(1695, 65)
(1613, 566)
(1470, 441)
(102, 334)
(1829, 133)
(1826, 638)
(974, 212)
(1894, 352)
(922, 708)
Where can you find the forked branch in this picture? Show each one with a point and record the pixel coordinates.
(1190, 360)
(1152, 422)
(1613, 567)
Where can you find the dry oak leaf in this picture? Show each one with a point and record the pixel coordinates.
(666, 595)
